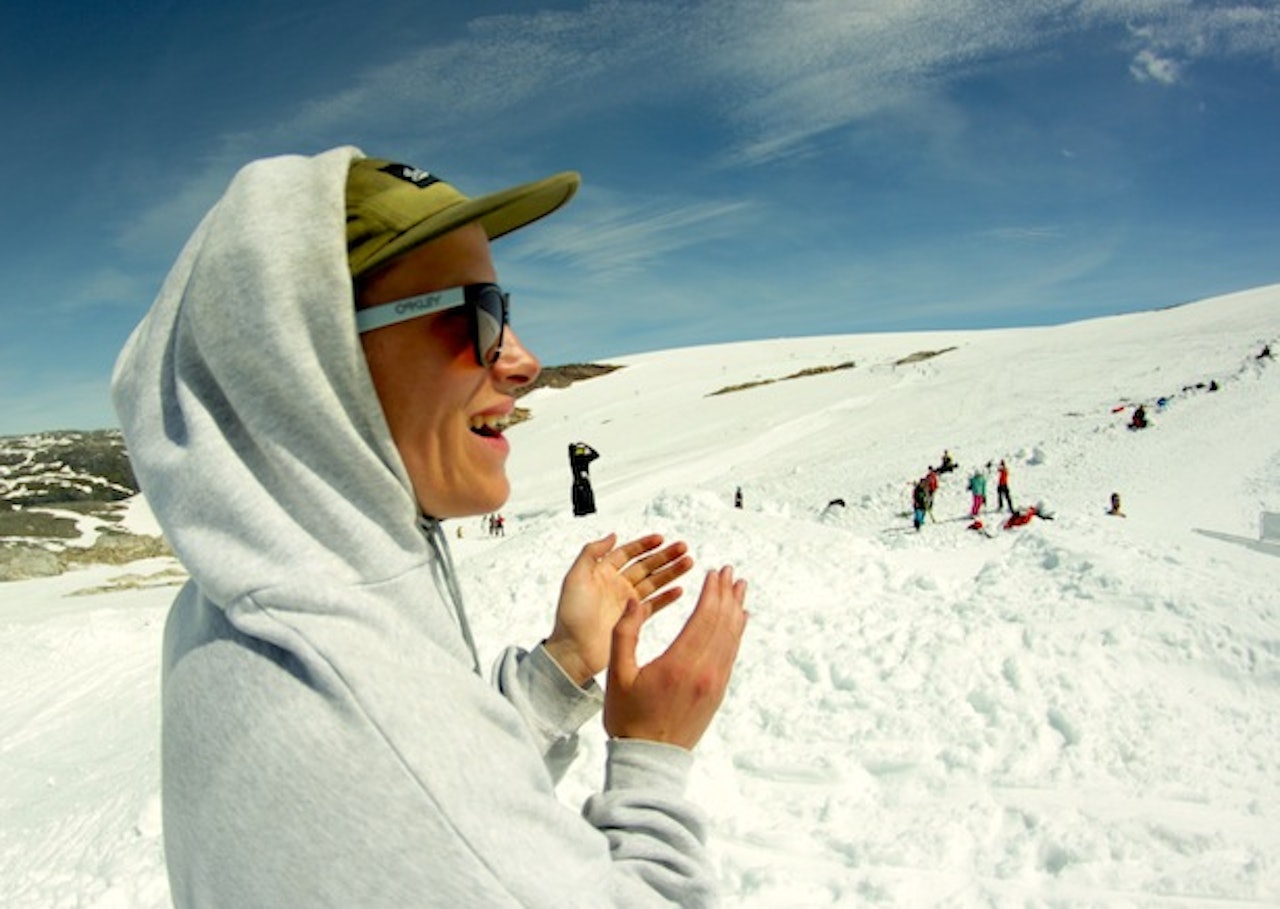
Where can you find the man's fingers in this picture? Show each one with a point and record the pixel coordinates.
(633, 549)
(738, 618)
(716, 623)
(674, 698)
(699, 629)
(626, 636)
(664, 598)
(660, 567)
(656, 579)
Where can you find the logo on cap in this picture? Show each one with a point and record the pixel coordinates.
(419, 178)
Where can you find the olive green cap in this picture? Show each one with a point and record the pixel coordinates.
(393, 209)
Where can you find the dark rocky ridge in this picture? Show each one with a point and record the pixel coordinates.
(59, 467)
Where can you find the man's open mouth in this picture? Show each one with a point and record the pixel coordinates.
(490, 425)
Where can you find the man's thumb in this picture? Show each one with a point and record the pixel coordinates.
(626, 635)
(598, 549)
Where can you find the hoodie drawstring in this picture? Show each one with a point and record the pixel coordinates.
(445, 572)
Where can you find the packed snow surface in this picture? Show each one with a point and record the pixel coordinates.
(1074, 712)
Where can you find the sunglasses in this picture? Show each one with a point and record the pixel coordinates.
(487, 304)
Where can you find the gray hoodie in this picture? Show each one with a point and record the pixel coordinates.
(327, 739)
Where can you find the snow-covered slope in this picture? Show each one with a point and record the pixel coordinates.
(1075, 712)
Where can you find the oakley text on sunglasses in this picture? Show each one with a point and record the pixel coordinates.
(487, 303)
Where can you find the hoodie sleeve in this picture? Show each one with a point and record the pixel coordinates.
(551, 705)
(657, 842)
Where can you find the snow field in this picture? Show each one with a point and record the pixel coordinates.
(1076, 712)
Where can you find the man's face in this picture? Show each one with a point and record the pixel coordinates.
(446, 412)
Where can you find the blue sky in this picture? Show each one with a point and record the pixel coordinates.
(752, 168)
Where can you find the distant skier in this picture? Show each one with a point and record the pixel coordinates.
(1018, 518)
(737, 497)
(1139, 420)
(948, 464)
(1115, 506)
(584, 498)
(1002, 488)
(831, 507)
(919, 502)
(978, 487)
(979, 527)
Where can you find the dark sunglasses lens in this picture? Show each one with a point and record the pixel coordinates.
(489, 307)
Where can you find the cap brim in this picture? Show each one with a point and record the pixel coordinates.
(499, 213)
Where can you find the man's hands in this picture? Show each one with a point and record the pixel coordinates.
(596, 590)
(674, 698)
(607, 596)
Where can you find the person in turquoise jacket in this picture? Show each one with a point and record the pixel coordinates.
(978, 488)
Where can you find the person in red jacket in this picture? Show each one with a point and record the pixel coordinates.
(1018, 518)
(1038, 510)
(1002, 488)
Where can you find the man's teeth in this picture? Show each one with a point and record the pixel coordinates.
(490, 423)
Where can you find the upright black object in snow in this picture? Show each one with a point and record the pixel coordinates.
(580, 457)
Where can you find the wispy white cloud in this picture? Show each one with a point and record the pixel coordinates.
(1171, 37)
(776, 74)
(1148, 66)
(514, 73)
(1196, 31)
(1025, 234)
(797, 70)
(773, 75)
(623, 240)
(109, 286)
(179, 203)
(770, 77)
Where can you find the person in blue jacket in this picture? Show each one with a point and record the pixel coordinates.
(921, 499)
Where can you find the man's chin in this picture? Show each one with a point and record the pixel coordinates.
(472, 508)
(502, 493)
(488, 504)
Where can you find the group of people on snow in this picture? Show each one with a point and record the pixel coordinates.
(925, 489)
(1139, 419)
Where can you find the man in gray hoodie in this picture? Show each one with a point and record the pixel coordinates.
(302, 414)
